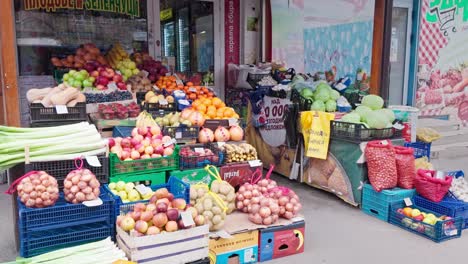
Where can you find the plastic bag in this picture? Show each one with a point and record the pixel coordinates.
(430, 187)
(381, 164)
(427, 134)
(405, 167)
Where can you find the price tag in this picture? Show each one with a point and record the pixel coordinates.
(179, 82)
(142, 189)
(145, 73)
(61, 109)
(178, 135)
(452, 232)
(398, 126)
(232, 122)
(112, 86)
(192, 89)
(184, 102)
(156, 88)
(168, 143)
(93, 161)
(384, 142)
(163, 102)
(168, 74)
(93, 203)
(221, 144)
(223, 234)
(187, 218)
(199, 150)
(255, 163)
(408, 201)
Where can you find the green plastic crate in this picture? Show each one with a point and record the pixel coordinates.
(193, 176)
(122, 169)
(146, 179)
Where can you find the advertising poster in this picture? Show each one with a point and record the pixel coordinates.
(443, 59)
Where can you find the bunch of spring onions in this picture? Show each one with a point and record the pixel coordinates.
(104, 251)
(48, 143)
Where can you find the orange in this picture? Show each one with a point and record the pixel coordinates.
(211, 109)
(207, 102)
(236, 116)
(193, 97)
(211, 114)
(216, 102)
(229, 112)
(190, 84)
(201, 108)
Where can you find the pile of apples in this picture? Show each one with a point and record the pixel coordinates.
(105, 76)
(145, 143)
(118, 111)
(162, 214)
(128, 193)
(192, 159)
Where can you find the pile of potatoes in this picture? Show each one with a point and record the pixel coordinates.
(226, 192)
(240, 152)
(213, 209)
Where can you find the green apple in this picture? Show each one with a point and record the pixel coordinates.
(133, 195)
(66, 76)
(112, 185)
(87, 83)
(72, 72)
(77, 84)
(132, 65)
(91, 79)
(120, 186)
(135, 71)
(124, 78)
(123, 195)
(127, 72)
(80, 77)
(415, 212)
(84, 72)
(427, 220)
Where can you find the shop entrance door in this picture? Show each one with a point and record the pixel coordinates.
(400, 52)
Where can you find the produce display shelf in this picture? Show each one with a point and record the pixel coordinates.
(439, 232)
(63, 214)
(146, 179)
(59, 169)
(119, 168)
(357, 133)
(51, 240)
(421, 149)
(378, 204)
(175, 186)
(195, 161)
(47, 116)
(448, 206)
(254, 78)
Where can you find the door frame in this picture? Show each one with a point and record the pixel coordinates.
(409, 27)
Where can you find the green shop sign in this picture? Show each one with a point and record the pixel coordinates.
(126, 7)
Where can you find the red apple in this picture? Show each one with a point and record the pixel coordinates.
(122, 86)
(126, 143)
(95, 74)
(117, 78)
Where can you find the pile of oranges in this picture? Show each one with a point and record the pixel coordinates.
(193, 92)
(214, 108)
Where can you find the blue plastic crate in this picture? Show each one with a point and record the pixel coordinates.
(63, 215)
(439, 232)
(175, 186)
(50, 240)
(448, 206)
(122, 131)
(421, 149)
(378, 204)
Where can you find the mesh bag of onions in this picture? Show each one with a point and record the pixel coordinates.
(406, 169)
(381, 164)
(288, 201)
(36, 189)
(81, 185)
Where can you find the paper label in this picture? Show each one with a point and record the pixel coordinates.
(255, 163)
(232, 122)
(144, 73)
(112, 86)
(179, 82)
(93, 161)
(93, 203)
(184, 102)
(187, 218)
(408, 201)
(223, 234)
(192, 89)
(163, 102)
(178, 135)
(61, 109)
(199, 150)
(142, 189)
(156, 88)
(249, 255)
(221, 144)
(168, 74)
(168, 143)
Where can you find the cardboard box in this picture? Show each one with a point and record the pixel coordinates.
(241, 248)
(177, 247)
(281, 241)
(238, 173)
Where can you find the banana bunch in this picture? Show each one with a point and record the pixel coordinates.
(145, 119)
(116, 54)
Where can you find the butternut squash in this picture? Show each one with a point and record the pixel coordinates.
(46, 101)
(80, 98)
(65, 96)
(37, 94)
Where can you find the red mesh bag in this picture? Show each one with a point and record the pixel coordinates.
(406, 170)
(381, 164)
(431, 188)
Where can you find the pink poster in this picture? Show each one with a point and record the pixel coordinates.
(443, 60)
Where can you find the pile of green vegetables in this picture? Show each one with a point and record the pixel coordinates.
(324, 97)
(48, 143)
(371, 113)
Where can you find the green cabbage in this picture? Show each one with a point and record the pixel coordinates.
(388, 113)
(330, 105)
(323, 86)
(363, 110)
(335, 95)
(374, 102)
(307, 93)
(377, 120)
(351, 118)
(318, 106)
(322, 95)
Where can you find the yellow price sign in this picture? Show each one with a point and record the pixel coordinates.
(165, 14)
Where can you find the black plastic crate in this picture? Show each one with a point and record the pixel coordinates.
(358, 132)
(183, 134)
(195, 161)
(254, 78)
(60, 169)
(304, 103)
(140, 96)
(157, 109)
(47, 116)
